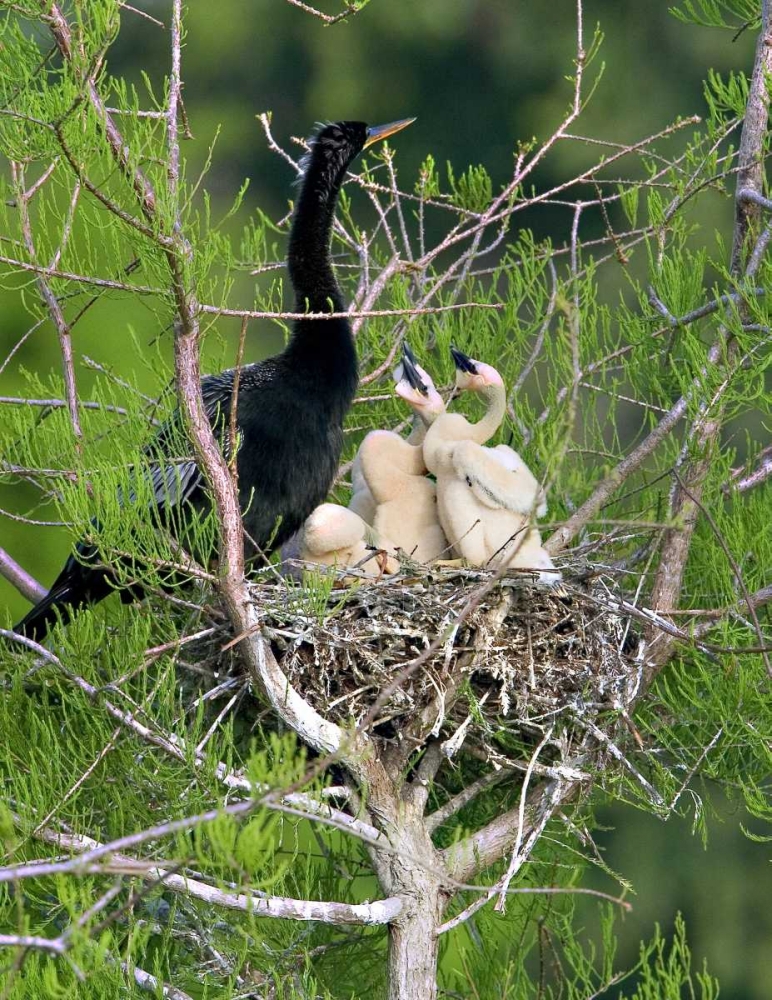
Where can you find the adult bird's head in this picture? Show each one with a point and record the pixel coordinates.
(474, 376)
(333, 146)
(330, 151)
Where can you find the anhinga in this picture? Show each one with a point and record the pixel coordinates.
(486, 496)
(290, 407)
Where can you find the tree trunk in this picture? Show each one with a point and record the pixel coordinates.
(415, 876)
(414, 945)
(413, 870)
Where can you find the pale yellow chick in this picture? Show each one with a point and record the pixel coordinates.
(487, 498)
(395, 473)
(335, 536)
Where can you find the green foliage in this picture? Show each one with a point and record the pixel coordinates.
(667, 974)
(732, 14)
(472, 190)
(539, 951)
(68, 761)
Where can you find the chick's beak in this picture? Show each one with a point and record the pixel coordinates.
(407, 352)
(463, 362)
(376, 132)
(410, 372)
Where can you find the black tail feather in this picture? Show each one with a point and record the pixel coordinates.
(76, 586)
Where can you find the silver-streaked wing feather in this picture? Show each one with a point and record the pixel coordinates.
(174, 480)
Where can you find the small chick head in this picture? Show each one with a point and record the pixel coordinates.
(428, 402)
(472, 375)
(416, 387)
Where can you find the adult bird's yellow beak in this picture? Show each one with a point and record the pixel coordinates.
(376, 132)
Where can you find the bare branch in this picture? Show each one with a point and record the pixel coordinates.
(24, 582)
(606, 489)
(519, 852)
(54, 308)
(464, 797)
(485, 847)
(55, 945)
(261, 904)
(354, 314)
(175, 88)
(56, 404)
(617, 754)
(145, 980)
(490, 892)
(744, 480)
(702, 311)
(329, 19)
(759, 599)
(750, 158)
(142, 13)
(83, 279)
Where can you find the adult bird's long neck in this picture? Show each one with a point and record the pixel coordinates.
(321, 347)
(321, 354)
(324, 346)
(308, 256)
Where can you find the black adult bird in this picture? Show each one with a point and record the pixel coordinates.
(290, 407)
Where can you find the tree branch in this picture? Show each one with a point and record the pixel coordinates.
(464, 797)
(602, 493)
(329, 19)
(686, 497)
(148, 982)
(743, 480)
(51, 301)
(24, 582)
(488, 845)
(735, 568)
(60, 29)
(258, 903)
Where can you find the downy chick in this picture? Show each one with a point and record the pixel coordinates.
(394, 470)
(335, 536)
(362, 501)
(486, 497)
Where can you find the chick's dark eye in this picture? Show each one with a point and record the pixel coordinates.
(468, 481)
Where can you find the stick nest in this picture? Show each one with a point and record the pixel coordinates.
(519, 658)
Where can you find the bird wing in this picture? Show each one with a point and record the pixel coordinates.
(494, 484)
(510, 459)
(174, 475)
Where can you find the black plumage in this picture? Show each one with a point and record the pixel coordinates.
(290, 407)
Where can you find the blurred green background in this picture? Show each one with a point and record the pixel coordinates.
(479, 75)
